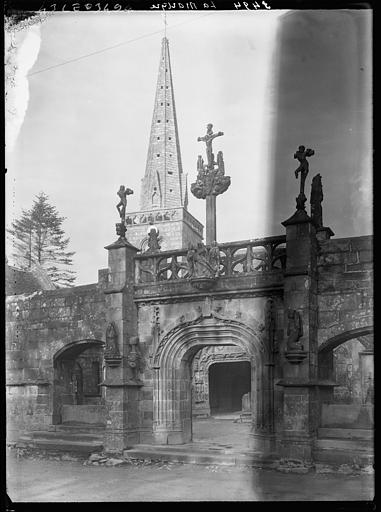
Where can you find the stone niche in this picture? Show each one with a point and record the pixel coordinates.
(233, 379)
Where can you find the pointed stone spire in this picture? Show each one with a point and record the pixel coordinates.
(164, 184)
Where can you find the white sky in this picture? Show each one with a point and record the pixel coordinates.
(87, 123)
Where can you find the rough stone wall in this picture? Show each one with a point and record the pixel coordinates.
(38, 326)
(345, 285)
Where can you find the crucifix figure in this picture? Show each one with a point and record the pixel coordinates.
(123, 192)
(208, 139)
(211, 181)
(303, 169)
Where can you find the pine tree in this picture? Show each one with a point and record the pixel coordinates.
(38, 237)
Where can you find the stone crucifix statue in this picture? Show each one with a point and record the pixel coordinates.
(208, 139)
(301, 154)
(211, 181)
(123, 192)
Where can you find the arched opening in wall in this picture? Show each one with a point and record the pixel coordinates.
(347, 359)
(221, 395)
(229, 383)
(181, 385)
(78, 394)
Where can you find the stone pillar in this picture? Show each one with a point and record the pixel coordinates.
(122, 386)
(211, 219)
(300, 378)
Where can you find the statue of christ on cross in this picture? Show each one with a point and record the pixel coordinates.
(208, 139)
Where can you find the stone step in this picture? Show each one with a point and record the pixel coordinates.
(63, 436)
(346, 433)
(339, 457)
(334, 450)
(191, 455)
(360, 445)
(66, 445)
(84, 428)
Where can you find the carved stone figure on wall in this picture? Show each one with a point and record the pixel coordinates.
(191, 259)
(199, 395)
(201, 262)
(294, 330)
(153, 240)
(316, 200)
(111, 349)
(133, 360)
(270, 325)
(214, 258)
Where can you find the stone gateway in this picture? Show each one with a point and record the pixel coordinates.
(279, 329)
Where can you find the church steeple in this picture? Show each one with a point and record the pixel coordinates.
(164, 195)
(164, 184)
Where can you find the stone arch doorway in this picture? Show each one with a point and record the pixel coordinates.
(205, 377)
(172, 381)
(77, 394)
(347, 359)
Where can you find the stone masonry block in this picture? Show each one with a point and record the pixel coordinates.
(328, 317)
(336, 245)
(361, 243)
(359, 267)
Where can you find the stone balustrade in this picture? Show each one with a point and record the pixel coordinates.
(236, 259)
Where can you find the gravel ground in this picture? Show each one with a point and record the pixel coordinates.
(56, 477)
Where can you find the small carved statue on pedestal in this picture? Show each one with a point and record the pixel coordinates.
(112, 355)
(134, 361)
(153, 240)
(294, 330)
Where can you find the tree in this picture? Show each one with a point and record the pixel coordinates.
(38, 237)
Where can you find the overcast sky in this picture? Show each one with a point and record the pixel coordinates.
(270, 80)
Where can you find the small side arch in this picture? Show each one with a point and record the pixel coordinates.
(337, 340)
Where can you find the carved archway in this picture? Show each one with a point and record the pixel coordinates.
(172, 366)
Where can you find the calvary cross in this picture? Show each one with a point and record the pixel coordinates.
(210, 182)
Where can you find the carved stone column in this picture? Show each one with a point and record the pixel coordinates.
(299, 351)
(121, 383)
